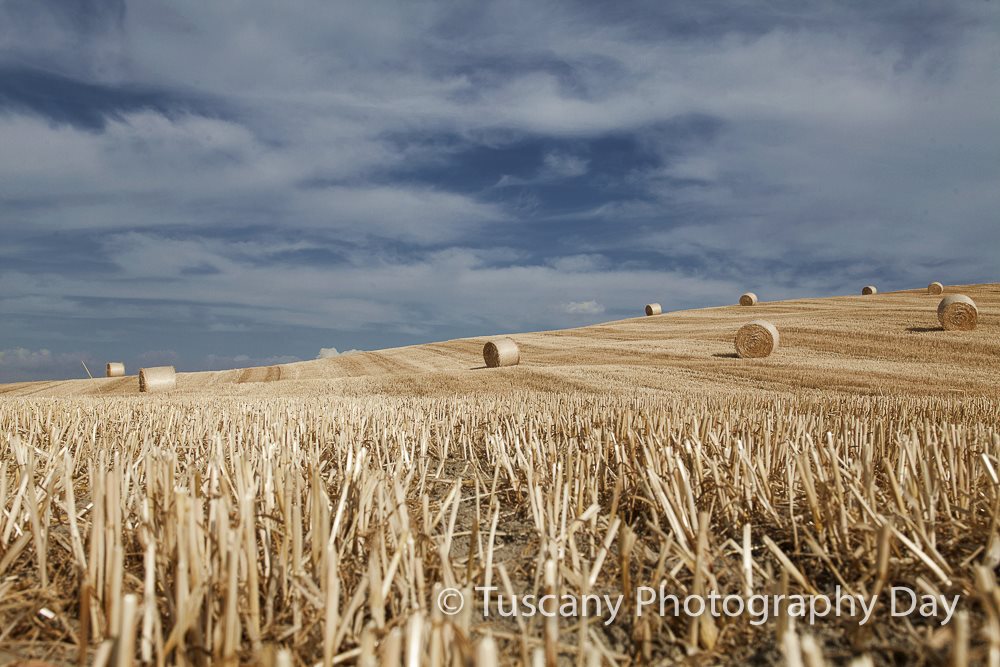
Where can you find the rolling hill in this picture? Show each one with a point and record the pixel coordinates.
(888, 342)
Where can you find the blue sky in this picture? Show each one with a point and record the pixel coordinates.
(217, 185)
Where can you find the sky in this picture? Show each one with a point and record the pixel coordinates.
(226, 184)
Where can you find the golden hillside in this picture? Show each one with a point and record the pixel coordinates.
(886, 343)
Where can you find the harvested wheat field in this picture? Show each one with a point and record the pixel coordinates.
(340, 511)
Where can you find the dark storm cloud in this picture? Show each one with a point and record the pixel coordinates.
(178, 180)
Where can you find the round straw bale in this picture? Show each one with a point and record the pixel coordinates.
(115, 369)
(756, 339)
(501, 352)
(935, 288)
(869, 289)
(957, 312)
(748, 299)
(158, 378)
(653, 309)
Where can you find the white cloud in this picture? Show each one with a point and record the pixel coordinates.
(21, 363)
(580, 263)
(415, 215)
(583, 308)
(556, 166)
(564, 165)
(23, 357)
(146, 170)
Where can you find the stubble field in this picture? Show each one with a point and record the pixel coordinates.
(322, 512)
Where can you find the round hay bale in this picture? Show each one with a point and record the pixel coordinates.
(158, 378)
(935, 288)
(756, 339)
(115, 369)
(748, 299)
(501, 352)
(957, 312)
(869, 289)
(653, 309)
